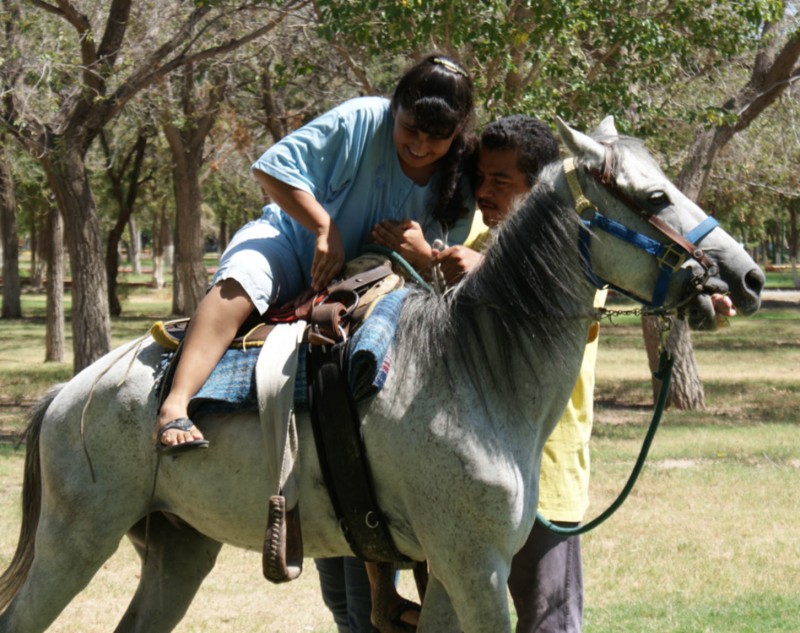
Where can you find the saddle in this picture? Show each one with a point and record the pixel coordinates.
(331, 316)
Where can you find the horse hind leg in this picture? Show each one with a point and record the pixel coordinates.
(65, 560)
(55, 559)
(175, 561)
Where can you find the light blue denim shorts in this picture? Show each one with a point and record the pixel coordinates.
(264, 263)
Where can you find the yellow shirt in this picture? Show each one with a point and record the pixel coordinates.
(564, 475)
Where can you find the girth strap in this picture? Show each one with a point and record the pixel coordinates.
(337, 433)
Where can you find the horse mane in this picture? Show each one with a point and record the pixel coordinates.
(526, 282)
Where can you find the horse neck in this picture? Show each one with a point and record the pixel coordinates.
(522, 316)
(531, 276)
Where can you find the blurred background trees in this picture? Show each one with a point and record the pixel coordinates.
(135, 121)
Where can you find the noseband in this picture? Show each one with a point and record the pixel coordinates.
(670, 254)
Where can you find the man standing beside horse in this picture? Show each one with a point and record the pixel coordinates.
(546, 580)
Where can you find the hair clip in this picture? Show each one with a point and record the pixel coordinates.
(451, 66)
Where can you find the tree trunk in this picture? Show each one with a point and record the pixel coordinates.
(686, 389)
(37, 250)
(126, 200)
(12, 308)
(793, 239)
(54, 333)
(135, 250)
(773, 68)
(112, 264)
(223, 237)
(190, 278)
(187, 147)
(161, 235)
(91, 326)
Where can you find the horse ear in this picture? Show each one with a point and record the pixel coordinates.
(607, 128)
(580, 145)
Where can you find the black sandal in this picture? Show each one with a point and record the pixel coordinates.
(182, 424)
(395, 617)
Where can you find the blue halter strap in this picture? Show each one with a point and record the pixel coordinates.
(670, 255)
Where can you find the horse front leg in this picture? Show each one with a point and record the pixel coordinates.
(437, 614)
(469, 597)
(175, 562)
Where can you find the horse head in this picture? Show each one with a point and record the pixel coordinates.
(643, 237)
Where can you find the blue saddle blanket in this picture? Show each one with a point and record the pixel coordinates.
(232, 384)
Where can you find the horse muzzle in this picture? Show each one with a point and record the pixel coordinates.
(743, 288)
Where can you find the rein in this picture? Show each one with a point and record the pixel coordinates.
(664, 374)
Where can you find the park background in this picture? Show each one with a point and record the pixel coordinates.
(126, 133)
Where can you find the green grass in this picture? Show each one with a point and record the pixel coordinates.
(24, 376)
(708, 539)
(780, 279)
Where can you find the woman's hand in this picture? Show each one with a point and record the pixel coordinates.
(304, 207)
(328, 256)
(406, 238)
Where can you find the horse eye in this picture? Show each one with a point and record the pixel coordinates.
(657, 199)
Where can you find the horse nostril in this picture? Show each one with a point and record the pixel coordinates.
(754, 281)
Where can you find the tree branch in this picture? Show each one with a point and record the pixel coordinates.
(359, 72)
(146, 75)
(758, 185)
(47, 7)
(86, 38)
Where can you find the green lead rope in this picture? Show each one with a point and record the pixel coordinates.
(398, 259)
(664, 374)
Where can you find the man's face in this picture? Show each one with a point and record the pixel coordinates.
(499, 183)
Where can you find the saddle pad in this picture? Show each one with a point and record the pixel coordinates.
(232, 385)
(369, 349)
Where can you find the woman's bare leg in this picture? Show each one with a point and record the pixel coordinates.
(212, 328)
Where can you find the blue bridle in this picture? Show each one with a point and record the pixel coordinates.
(670, 256)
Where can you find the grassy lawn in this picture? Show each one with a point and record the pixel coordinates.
(708, 539)
(707, 542)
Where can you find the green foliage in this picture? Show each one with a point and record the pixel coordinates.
(579, 59)
(661, 68)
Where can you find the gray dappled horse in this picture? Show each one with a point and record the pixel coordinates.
(480, 376)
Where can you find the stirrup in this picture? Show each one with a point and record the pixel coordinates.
(283, 542)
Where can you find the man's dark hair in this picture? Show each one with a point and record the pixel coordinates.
(529, 136)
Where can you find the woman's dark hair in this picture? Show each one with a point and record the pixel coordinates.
(437, 92)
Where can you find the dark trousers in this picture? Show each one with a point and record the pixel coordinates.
(546, 583)
(345, 591)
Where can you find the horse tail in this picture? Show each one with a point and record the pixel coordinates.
(14, 576)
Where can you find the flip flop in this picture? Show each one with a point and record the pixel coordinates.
(182, 424)
(397, 613)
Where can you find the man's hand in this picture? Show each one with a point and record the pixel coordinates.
(457, 261)
(406, 238)
(723, 306)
